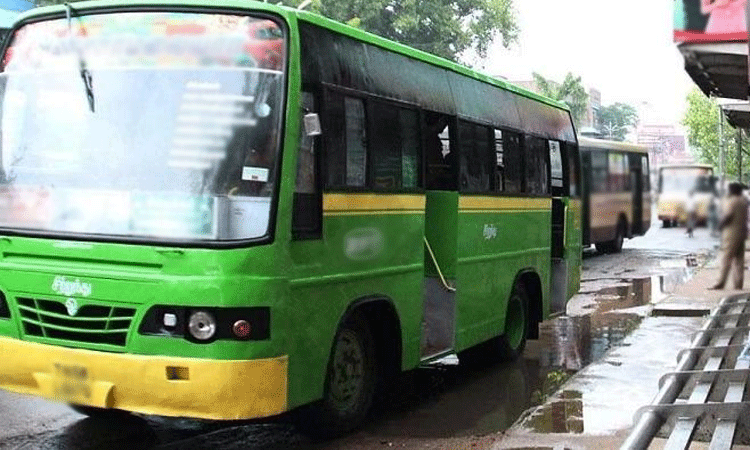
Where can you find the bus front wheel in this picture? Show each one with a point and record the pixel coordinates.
(513, 339)
(350, 383)
(100, 413)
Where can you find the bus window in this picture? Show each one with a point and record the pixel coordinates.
(356, 156)
(440, 155)
(476, 163)
(499, 163)
(556, 165)
(306, 212)
(393, 155)
(573, 172)
(345, 140)
(599, 172)
(536, 167)
(513, 162)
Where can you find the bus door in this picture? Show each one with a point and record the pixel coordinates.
(441, 237)
(557, 245)
(636, 186)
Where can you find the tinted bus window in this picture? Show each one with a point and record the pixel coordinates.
(476, 152)
(498, 185)
(536, 166)
(513, 162)
(394, 146)
(356, 156)
(599, 172)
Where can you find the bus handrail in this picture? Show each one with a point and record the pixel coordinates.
(437, 266)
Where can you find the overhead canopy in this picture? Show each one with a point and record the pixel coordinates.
(720, 70)
(738, 114)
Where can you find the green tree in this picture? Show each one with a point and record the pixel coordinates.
(445, 28)
(702, 122)
(570, 91)
(616, 119)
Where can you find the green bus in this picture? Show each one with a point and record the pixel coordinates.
(230, 210)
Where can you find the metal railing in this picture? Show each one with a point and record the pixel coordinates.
(703, 399)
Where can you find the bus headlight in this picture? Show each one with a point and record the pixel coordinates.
(202, 325)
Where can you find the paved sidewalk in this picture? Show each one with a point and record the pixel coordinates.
(627, 377)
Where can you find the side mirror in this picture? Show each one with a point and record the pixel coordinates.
(311, 123)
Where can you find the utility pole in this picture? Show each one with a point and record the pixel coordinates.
(721, 151)
(739, 155)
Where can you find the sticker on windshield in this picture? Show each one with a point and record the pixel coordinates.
(255, 174)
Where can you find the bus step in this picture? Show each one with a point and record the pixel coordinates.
(450, 359)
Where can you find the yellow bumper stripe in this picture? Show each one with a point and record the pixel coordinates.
(178, 387)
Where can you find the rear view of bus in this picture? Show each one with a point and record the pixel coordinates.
(616, 193)
(679, 181)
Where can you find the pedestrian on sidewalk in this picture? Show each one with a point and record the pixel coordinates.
(733, 228)
(690, 209)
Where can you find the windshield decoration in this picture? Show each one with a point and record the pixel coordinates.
(177, 138)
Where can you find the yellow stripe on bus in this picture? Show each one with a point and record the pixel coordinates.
(491, 204)
(354, 204)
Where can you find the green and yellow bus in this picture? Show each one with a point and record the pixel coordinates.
(231, 209)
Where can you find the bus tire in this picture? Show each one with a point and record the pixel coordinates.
(603, 247)
(513, 340)
(350, 383)
(666, 223)
(100, 413)
(616, 244)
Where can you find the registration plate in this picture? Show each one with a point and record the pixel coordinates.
(71, 382)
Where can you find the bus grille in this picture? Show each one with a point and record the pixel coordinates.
(94, 324)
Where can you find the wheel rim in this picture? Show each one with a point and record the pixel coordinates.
(347, 379)
(515, 322)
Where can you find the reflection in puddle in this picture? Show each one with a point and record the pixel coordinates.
(568, 344)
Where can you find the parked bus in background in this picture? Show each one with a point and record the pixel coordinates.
(229, 210)
(678, 181)
(616, 193)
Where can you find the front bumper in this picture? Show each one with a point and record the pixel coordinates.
(157, 385)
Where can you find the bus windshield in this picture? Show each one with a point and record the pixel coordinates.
(686, 180)
(142, 125)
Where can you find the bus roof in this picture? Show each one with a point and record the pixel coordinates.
(589, 143)
(307, 17)
(422, 56)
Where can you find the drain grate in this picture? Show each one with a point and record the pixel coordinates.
(704, 399)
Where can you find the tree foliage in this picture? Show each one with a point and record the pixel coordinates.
(702, 122)
(615, 120)
(570, 91)
(446, 28)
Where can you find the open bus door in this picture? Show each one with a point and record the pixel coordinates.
(566, 236)
(636, 187)
(441, 238)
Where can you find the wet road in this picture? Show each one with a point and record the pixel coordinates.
(430, 408)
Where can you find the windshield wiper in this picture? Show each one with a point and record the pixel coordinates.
(88, 80)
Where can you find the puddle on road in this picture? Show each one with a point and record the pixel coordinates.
(568, 344)
(471, 401)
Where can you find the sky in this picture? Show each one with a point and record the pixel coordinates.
(624, 49)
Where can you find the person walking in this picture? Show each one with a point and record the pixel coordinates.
(691, 207)
(733, 228)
